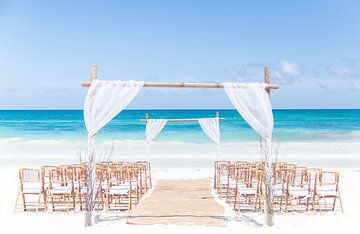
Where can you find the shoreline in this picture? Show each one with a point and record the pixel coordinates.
(179, 154)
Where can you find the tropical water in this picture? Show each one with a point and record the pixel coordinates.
(310, 137)
(290, 125)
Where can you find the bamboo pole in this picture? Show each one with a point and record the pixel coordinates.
(178, 120)
(93, 72)
(93, 76)
(91, 166)
(267, 77)
(268, 209)
(184, 85)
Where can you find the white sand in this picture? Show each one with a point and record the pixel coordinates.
(181, 160)
(331, 222)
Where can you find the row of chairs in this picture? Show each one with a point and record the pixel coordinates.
(118, 186)
(293, 187)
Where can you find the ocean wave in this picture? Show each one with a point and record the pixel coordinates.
(333, 135)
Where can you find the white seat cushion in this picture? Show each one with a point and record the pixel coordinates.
(32, 190)
(326, 190)
(61, 190)
(32, 187)
(277, 190)
(247, 191)
(299, 192)
(119, 190)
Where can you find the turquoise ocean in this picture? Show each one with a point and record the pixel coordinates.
(290, 125)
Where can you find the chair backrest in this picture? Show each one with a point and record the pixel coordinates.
(46, 172)
(62, 176)
(329, 178)
(29, 175)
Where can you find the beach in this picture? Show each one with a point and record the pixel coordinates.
(187, 158)
(179, 117)
(249, 222)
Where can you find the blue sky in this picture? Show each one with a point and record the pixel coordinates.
(312, 47)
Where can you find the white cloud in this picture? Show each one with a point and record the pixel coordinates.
(291, 69)
(353, 62)
(8, 88)
(340, 86)
(340, 71)
(354, 87)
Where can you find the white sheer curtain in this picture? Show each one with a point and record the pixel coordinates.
(104, 100)
(212, 129)
(153, 128)
(253, 104)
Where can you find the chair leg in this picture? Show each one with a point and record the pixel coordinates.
(291, 205)
(68, 205)
(307, 203)
(107, 203)
(319, 203)
(80, 200)
(38, 202)
(334, 203)
(24, 202)
(16, 202)
(235, 199)
(52, 202)
(73, 200)
(45, 200)
(326, 205)
(341, 205)
(256, 202)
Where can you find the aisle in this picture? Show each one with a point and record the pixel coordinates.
(181, 202)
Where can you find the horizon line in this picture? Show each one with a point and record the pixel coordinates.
(210, 109)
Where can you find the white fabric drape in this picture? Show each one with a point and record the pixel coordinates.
(212, 129)
(253, 104)
(153, 128)
(104, 100)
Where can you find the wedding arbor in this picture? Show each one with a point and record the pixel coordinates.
(106, 99)
(210, 126)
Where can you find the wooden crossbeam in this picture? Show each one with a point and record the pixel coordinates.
(179, 120)
(269, 86)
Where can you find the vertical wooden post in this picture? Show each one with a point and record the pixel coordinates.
(91, 166)
(93, 72)
(268, 203)
(267, 77)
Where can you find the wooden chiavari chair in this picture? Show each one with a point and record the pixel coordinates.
(280, 188)
(61, 189)
(31, 183)
(119, 188)
(218, 165)
(247, 192)
(299, 188)
(144, 176)
(328, 188)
